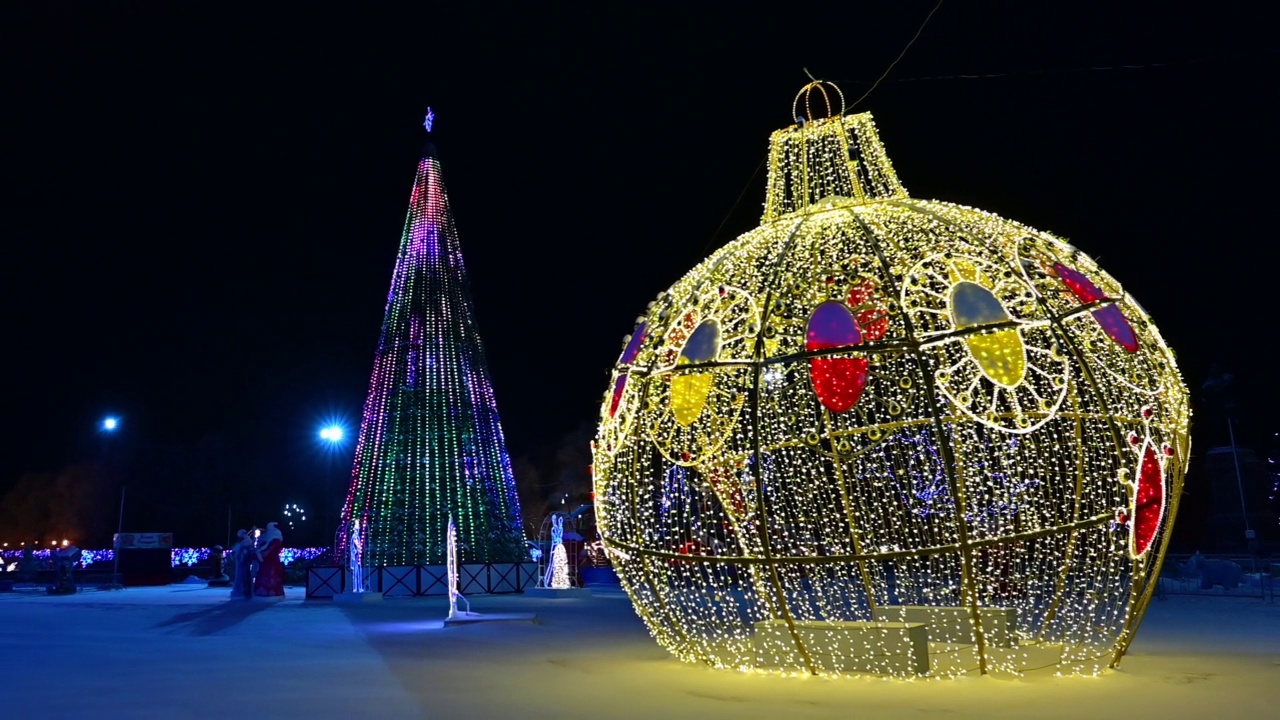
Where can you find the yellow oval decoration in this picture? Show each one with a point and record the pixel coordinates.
(689, 391)
(999, 353)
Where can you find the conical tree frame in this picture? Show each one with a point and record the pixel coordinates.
(431, 444)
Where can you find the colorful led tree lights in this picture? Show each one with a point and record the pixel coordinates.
(430, 444)
(878, 434)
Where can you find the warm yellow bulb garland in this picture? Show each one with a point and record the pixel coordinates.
(874, 414)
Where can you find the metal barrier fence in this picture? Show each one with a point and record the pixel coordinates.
(1220, 575)
(418, 580)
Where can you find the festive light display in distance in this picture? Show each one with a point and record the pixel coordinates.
(885, 435)
(294, 514)
(178, 557)
(430, 442)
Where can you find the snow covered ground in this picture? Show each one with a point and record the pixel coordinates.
(186, 651)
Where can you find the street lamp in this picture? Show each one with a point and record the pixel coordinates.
(109, 426)
(1219, 390)
(331, 435)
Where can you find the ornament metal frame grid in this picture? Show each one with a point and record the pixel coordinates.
(873, 413)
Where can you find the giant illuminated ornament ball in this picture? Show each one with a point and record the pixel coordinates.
(885, 435)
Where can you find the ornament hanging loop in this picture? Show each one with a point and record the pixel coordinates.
(805, 98)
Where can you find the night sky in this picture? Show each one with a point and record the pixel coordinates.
(204, 201)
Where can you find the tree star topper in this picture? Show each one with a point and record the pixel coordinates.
(431, 118)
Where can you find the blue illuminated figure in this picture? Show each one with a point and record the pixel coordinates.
(921, 485)
(355, 549)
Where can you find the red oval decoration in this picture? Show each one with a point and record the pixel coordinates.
(618, 386)
(628, 356)
(632, 349)
(872, 321)
(1109, 318)
(1148, 503)
(837, 381)
(1116, 327)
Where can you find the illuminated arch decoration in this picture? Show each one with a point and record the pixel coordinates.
(872, 404)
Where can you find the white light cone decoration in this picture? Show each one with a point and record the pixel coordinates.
(457, 616)
(558, 572)
(451, 570)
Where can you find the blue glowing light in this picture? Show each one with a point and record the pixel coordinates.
(110, 423)
(178, 557)
(332, 433)
(187, 556)
(917, 472)
(431, 118)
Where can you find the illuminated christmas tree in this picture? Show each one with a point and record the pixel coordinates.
(431, 443)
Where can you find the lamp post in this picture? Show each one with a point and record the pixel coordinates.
(331, 436)
(108, 428)
(1219, 390)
